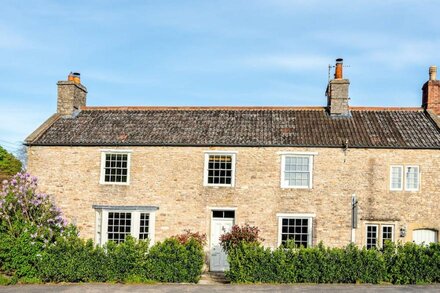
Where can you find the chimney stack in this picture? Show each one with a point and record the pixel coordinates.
(337, 93)
(71, 95)
(431, 92)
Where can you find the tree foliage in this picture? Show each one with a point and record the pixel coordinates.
(9, 165)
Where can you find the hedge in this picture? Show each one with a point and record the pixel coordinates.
(77, 260)
(399, 264)
(72, 259)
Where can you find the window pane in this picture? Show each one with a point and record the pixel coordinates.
(387, 234)
(296, 230)
(118, 226)
(144, 225)
(223, 214)
(116, 168)
(220, 169)
(297, 171)
(412, 178)
(396, 177)
(229, 214)
(371, 236)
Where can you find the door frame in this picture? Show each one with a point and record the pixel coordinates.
(211, 219)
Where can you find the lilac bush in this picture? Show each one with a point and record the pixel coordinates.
(23, 209)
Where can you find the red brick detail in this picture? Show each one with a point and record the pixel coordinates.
(431, 96)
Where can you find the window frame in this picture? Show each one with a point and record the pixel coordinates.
(401, 177)
(379, 233)
(103, 160)
(378, 230)
(310, 156)
(404, 169)
(101, 226)
(309, 217)
(207, 154)
(418, 177)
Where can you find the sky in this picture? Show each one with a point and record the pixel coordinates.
(210, 53)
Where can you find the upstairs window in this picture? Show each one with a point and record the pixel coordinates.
(404, 177)
(219, 169)
(396, 178)
(115, 167)
(412, 178)
(296, 171)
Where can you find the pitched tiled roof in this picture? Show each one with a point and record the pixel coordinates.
(244, 126)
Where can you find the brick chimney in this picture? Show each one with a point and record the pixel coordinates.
(431, 92)
(337, 93)
(71, 94)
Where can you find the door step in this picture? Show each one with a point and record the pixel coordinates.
(213, 278)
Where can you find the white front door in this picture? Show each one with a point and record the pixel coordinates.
(218, 261)
(424, 236)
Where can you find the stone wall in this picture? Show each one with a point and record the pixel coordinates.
(71, 96)
(172, 179)
(338, 97)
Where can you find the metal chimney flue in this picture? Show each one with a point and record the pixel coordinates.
(338, 69)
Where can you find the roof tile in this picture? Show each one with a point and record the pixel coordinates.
(375, 127)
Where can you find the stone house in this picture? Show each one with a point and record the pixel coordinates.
(336, 173)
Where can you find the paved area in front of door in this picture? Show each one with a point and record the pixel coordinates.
(109, 288)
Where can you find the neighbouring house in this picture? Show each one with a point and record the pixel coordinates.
(336, 173)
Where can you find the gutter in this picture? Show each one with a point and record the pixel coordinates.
(224, 145)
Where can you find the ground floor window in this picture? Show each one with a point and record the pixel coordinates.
(115, 223)
(295, 228)
(372, 236)
(378, 234)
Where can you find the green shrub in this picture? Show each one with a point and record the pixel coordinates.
(413, 264)
(72, 259)
(126, 259)
(4, 280)
(399, 264)
(19, 254)
(171, 261)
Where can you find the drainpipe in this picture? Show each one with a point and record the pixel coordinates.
(354, 213)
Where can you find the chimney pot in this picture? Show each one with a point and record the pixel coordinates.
(338, 70)
(433, 72)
